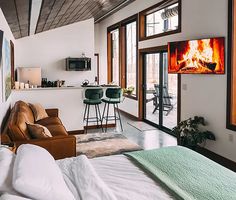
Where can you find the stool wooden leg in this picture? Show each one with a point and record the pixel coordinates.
(119, 117)
(107, 116)
(87, 119)
(100, 116)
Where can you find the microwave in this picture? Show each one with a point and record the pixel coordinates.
(78, 64)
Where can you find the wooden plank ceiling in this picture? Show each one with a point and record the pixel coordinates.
(55, 13)
(17, 13)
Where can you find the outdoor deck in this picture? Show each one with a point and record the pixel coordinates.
(169, 121)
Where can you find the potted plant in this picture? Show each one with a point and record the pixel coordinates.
(190, 132)
(128, 90)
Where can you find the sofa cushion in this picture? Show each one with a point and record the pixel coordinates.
(57, 129)
(49, 121)
(18, 127)
(39, 111)
(5, 139)
(25, 108)
(38, 131)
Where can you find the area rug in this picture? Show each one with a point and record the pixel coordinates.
(103, 144)
(141, 126)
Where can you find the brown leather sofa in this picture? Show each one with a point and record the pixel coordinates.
(61, 145)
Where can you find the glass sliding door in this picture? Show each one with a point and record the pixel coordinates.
(160, 91)
(152, 79)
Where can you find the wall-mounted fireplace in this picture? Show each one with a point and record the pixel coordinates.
(204, 56)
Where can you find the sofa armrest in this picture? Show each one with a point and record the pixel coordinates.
(59, 146)
(52, 112)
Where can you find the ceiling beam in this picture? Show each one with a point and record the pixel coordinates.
(35, 10)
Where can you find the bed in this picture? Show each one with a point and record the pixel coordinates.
(166, 173)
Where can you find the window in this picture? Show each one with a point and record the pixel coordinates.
(122, 54)
(161, 19)
(115, 56)
(131, 55)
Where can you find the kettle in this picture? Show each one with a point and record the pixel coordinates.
(85, 82)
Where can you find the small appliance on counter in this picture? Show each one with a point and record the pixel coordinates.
(85, 83)
(58, 83)
(29, 75)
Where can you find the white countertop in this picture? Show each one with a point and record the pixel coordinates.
(61, 88)
(49, 88)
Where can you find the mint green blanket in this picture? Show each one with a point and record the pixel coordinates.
(187, 174)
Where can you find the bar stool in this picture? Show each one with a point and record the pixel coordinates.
(93, 97)
(113, 96)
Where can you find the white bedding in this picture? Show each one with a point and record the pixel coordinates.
(83, 180)
(104, 178)
(112, 175)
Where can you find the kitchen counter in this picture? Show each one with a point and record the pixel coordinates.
(49, 88)
(69, 101)
(65, 88)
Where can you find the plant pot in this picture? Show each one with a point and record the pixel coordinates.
(183, 142)
(129, 93)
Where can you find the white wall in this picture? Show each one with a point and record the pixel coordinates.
(69, 101)
(8, 34)
(49, 49)
(205, 94)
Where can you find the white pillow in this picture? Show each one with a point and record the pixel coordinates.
(12, 197)
(7, 159)
(36, 175)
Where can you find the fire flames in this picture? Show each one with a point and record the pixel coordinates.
(198, 56)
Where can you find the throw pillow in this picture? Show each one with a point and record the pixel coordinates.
(38, 131)
(39, 111)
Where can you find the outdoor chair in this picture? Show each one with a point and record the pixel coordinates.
(167, 105)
